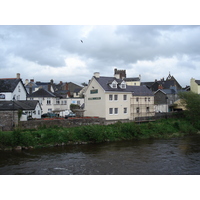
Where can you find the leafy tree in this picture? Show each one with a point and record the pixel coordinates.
(74, 106)
(84, 84)
(191, 101)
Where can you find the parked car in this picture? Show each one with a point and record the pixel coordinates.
(48, 115)
(29, 117)
(71, 114)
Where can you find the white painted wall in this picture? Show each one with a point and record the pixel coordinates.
(19, 93)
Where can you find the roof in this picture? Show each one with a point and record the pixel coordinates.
(198, 82)
(18, 105)
(135, 90)
(41, 93)
(8, 85)
(148, 84)
(166, 91)
(77, 90)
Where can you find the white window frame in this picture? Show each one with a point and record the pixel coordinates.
(110, 97)
(110, 111)
(57, 101)
(116, 111)
(125, 110)
(48, 101)
(116, 95)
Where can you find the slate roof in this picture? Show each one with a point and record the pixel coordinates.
(169, 91)
(41, 93)
(18, 105)
(8, 85)
(77, 90)
(135, 90)
(148, 84)
(198, 82)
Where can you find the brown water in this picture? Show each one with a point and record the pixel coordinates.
(143, 157)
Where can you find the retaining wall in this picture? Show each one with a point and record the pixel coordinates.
(8, 120)
(35, 124)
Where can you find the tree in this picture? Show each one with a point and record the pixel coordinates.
(191, 101)
(84, 84)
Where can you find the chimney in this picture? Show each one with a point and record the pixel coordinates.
(117, 76)
(18, 75)
(120, 74)
(26, 82)
(97, 74)
(30, 88)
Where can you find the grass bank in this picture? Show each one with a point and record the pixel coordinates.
(96, 133)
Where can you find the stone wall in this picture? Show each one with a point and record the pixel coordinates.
(35, 124)
(8, 120)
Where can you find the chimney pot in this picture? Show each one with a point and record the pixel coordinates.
(18, 75)
(97, 74)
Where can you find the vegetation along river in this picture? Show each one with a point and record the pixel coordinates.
(137, 157)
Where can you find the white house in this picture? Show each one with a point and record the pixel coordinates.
(111, 98)
(52, 102)
(12, 89)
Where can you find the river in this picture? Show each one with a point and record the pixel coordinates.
(177, 156)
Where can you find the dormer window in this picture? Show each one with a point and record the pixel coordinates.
(113, 84)
(123, 85)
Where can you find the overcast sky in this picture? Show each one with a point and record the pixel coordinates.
(56, 52)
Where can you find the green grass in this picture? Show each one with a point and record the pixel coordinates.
(97, 133)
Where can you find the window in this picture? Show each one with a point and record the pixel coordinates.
(38, 112)
(149, 99)
(48, 101)
(18, 88)
(78, 102)
(145, 99)
(116, 111)
(40, 100)
(125, 110)
(123, 85)
(137, 109)
(57, 101)
(94, 91)
(110, 111)
(125, 97)
(137, 99)
(110, 97)
(116, 97)
(114, 85)
(147, 109)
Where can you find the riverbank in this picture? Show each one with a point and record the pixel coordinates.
(56, 136)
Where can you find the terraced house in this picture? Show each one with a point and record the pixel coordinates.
(113, 99)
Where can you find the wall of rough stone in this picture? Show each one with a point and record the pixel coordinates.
(8, 120)
(35, 124)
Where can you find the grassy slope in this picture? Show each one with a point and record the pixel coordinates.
(97, 133)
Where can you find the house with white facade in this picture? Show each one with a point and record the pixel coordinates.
(195, 85)
(53, 102)
(113, 99)
(12, 89)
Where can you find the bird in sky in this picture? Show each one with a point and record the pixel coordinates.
(82, 41)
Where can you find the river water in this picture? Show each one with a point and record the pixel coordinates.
(177, 156)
